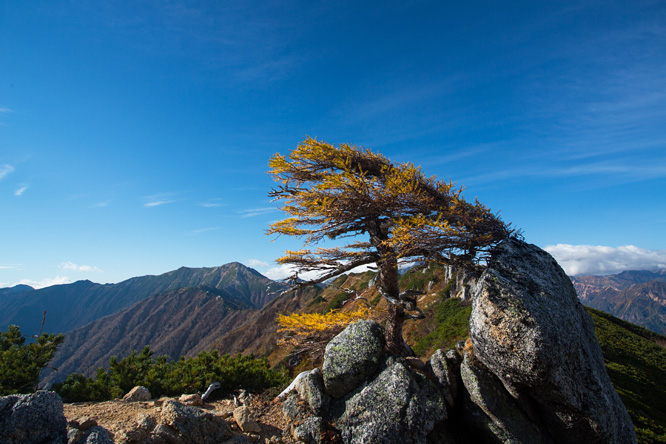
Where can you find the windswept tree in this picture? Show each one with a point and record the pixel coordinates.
(339, 192)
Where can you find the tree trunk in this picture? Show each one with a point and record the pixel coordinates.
(388, 286)
(395, 344)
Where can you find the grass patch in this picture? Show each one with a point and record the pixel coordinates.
(452, 325)
(637, 366)
(418, 277)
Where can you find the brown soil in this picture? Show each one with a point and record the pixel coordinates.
(119, 416)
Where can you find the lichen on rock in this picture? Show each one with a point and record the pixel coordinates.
(352, 357)
(531, 332)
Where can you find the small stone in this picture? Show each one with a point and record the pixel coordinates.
(310, 388)
(169, 435)
(192, 399)
(144, 421)
(73, 435)
(86, 423)
(245, 420)
(137, 394)
(194, 424)
(244, 397)
(131, 436)
(310, 431)
(292, 409)
(445, 366)
(96, 435)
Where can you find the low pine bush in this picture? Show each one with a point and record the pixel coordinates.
(21, 362)
(172, 378)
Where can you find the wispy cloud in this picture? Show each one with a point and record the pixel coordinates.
(203, 230)
(157, 203)
(212, 203)
(621, 170)
(159, 200)
(5, 169)
(5, 110)
(83, 268)
(21, 190)
(602, 260)
(256, 211)
(258, 47)
(101, 204)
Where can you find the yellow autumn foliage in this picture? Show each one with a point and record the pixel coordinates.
(316, 322)
(310, 332)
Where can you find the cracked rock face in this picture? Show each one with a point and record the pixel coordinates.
(530, 331)
(396, 407)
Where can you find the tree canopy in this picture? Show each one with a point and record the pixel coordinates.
(340, 192)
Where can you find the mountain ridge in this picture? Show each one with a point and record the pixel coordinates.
(70, 306)
(637, 296)
(180, 322)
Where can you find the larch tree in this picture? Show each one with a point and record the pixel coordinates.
(339, 192)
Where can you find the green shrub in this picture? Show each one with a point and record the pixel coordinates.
(317, 299)
(171, 378)
(418, 277)
(337, 302)
(21, 363)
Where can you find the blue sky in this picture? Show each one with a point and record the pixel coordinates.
(135, 135)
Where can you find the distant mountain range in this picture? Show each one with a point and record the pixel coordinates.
(635, 296)
(233, 308)
(177, 313)
(71, 306)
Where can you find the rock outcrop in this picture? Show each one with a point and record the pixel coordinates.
(193, 424)
(531, 372)
(32, 419)
(530, 332)
(310, 387)
(373, 397)
(352, 357)
(398, 406)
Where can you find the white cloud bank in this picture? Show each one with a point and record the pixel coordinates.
(284, 271)
(256, 263)
(600, 260)
(58, 280)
